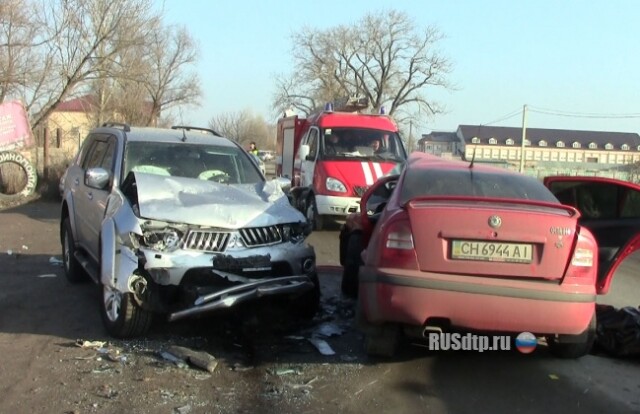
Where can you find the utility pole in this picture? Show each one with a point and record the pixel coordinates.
(524, 136)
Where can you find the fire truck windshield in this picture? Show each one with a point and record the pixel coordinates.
(361, 143)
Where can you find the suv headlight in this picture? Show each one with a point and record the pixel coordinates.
(336, 185)
(162, 240)
(295, 232)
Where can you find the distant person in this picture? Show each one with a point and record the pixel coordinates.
(377, 147)
(253, 148)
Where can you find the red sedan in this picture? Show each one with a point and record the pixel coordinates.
(448, 244)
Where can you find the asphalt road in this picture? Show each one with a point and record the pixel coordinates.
(41, 316)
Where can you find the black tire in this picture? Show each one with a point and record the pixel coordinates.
(352, 263)
(307, 304)
(379, 340)
(573, 346)
(72, 269)
(343, 237)
(312, 214)
(121, 315)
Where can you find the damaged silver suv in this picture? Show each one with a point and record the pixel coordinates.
(180, 222)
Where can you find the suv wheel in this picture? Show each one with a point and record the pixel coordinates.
(121, 315)
(72, 269)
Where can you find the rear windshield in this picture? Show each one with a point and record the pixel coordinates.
(472, 183)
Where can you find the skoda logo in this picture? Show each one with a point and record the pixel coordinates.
(495, 222)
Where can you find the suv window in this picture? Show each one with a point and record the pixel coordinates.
(100, 154)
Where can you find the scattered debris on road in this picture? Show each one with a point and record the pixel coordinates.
(199, 359)
(54, 261)
(322, 346)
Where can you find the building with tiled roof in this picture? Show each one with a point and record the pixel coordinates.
(546, 150)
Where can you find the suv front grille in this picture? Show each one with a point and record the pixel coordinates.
(207, 241)
(261, 236)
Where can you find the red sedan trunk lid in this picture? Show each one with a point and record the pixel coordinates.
(492, 238)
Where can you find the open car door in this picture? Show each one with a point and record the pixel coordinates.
(610, 209)
(372, 203)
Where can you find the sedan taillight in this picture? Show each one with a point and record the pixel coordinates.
(582, 257)
(398, 250)
(584, 261)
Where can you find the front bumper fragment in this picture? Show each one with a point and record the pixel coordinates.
(229, 297)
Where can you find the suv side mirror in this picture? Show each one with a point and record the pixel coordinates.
(304, 152)
(97, 177)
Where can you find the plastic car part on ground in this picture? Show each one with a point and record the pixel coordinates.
(618, 331)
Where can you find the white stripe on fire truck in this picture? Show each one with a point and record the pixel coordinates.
(377, 169)
(368, 177)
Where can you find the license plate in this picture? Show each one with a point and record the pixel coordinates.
(491, 251)
(250, 263)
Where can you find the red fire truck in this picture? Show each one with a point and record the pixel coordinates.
(332, 157)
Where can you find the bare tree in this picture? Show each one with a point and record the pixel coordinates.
(19, 58)
(169, 53)
(383, 58)
(151, 78)
(244, 127)
(134, 67)
(89, 34)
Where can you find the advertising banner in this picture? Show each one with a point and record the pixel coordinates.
(15, 130)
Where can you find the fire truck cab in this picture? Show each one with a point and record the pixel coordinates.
(333, 157)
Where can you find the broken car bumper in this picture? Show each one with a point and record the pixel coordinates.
(231, 296)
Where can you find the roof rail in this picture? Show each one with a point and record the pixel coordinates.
(124, 126)
(189, 128)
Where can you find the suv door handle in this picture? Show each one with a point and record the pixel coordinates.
(90, 196)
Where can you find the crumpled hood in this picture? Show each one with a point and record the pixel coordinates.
(207, 203)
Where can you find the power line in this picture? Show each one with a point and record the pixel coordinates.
(568, 114)
(504, 117)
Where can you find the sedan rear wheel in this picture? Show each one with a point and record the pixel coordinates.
(382, 342)
(573, 346)
(122, 316)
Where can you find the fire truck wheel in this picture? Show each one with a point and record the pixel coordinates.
(312, 214)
